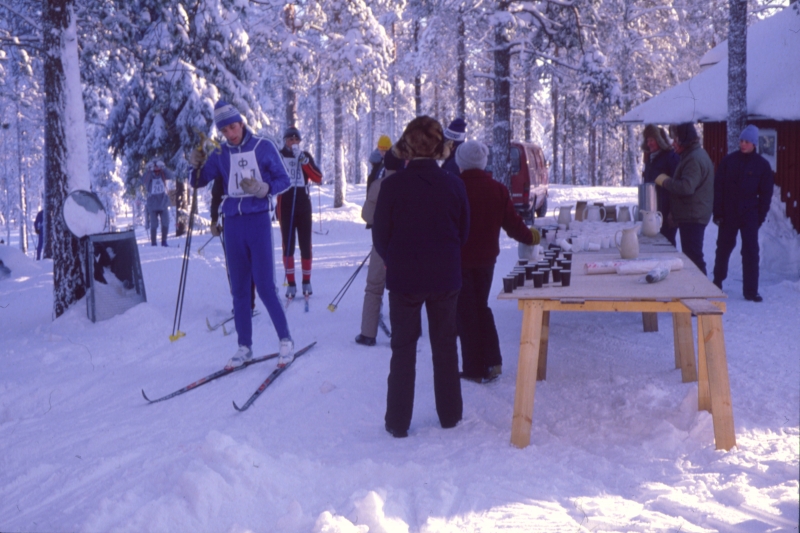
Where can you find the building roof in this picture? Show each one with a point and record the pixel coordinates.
(773, 79)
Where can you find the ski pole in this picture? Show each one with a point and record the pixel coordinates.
(338, 298)
(200, 250)
(319, 206)
(176, 323)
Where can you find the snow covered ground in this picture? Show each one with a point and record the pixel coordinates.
(617, 441)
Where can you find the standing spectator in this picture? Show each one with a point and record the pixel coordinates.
(456, 132)
(660, 158)
(155, 183)
(250, 168)
(742, 194)
(376, 159)
(294, 209)
(490, 208)
(376, 272)
(421, 222)
(691, 190)
(38, 227)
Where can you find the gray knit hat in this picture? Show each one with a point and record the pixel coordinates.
(472, 154)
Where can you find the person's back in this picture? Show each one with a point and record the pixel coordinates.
(692, 187)
(426, 209)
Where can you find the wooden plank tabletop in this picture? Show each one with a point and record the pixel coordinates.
(686, 283)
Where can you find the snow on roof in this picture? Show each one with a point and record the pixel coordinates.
(773, 79)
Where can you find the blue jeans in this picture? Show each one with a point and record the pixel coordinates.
(692, 236)
(248, 247)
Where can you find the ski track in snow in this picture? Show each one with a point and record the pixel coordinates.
(617, 441)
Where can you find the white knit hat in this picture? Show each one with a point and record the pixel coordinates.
(472, 154)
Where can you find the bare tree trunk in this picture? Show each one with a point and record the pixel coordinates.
(527, 102)
(417, 77)
(338, 148)
(23, 200)
(461, 71)
(593, 155)
(501, 131)
(320, 125)
(290, 103)
(488, 111)
(556, 124)
(357, 150)
(737, 72)
(393, 84)
(564, 144)
(69, 285)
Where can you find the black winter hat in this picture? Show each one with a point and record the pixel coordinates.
(392, 162)
(685, 134)
(292, 131)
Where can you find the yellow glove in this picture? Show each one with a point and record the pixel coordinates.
(661, 179)
(536, 237)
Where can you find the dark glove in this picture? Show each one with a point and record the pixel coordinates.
(717, 220)
(215, 230)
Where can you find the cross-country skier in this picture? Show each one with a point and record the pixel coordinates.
(250, 168)
(294, 209)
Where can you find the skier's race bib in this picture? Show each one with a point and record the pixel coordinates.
(243, 165)
(294, 171)
(157, 186)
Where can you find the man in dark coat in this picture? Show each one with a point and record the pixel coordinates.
(742, 194)
(490, 209)
(421, 222)
(691, 189)
(38, 227)
(660, 158)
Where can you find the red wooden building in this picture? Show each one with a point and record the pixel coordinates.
(773, 100)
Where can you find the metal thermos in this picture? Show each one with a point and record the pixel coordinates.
(647, 198)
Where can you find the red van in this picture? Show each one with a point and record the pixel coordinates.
(529, 179)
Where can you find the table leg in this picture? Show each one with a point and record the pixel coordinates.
(541, 371)
(529, 345)
(703, 395)
(684, 346)
(650, 322)
(718, 382)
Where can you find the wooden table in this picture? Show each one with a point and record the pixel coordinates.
(685, 293)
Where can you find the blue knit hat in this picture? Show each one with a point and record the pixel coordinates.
(225, 113)
(749, 134)
(456, 131)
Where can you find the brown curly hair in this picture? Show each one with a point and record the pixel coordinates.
(423, 137)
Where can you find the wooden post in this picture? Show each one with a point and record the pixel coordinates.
(541, 371)
(650, 322)
(703, 395)
(719, 382)
(529, 344)
(684, 346)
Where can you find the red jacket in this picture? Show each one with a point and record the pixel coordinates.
(490, 209)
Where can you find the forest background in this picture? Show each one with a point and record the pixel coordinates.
(559, 73)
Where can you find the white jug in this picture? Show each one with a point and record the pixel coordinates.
(628, 245)
(624, 214)
(592, 213)
(651, 223)
(564, 215)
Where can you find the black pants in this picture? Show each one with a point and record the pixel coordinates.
(692, 236)
(726, 242)
(300, 222)
(405, 315)
(480, 346)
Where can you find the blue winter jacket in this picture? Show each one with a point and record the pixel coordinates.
(743, 188)
(421, 222)
(270, 164)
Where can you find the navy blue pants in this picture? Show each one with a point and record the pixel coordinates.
(405, 315)
(692, 236)
(726, 242)
(248, 246)
(480, 346)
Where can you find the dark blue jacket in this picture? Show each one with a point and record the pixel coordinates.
(665, 162)
(743, 188)
(270, 165)
(421, 222)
